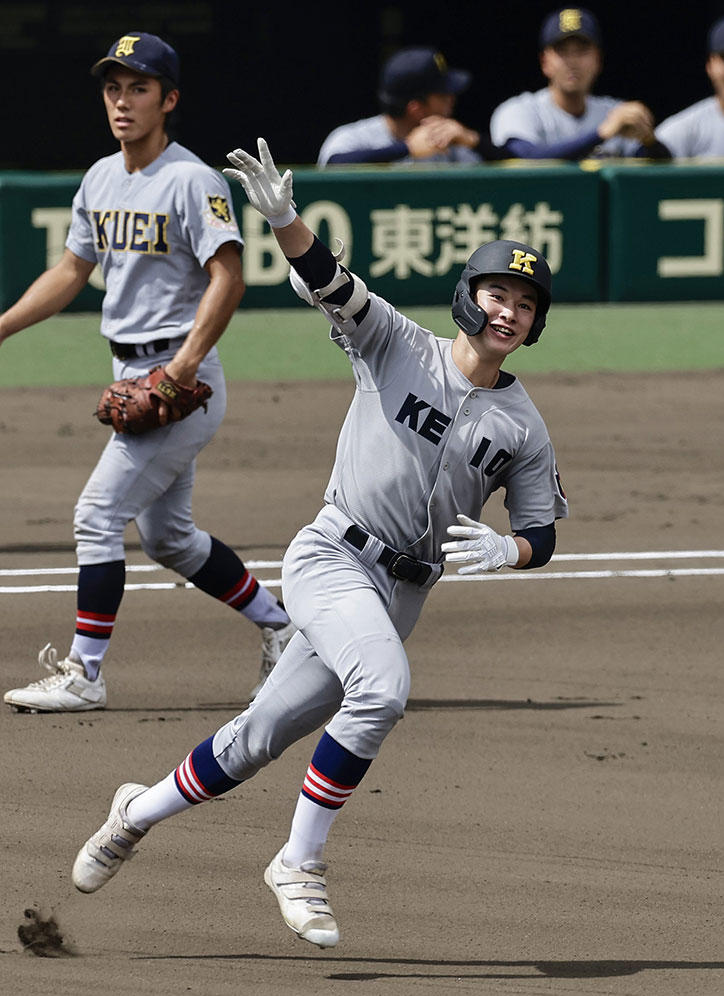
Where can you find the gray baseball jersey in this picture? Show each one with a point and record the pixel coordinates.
(374, 133)
(696, 131)
(152, 231)
(420, 443)
(535, 117)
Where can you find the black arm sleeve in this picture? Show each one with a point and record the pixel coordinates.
(317, 267)
(543, 541)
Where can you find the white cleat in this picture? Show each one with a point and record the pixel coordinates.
(303, 900)
(67, 689)
(103, 854)
(273, 642)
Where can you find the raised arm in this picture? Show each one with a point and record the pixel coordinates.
(271, 195)
(317, 277)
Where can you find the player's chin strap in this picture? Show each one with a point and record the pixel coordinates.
(342, 297)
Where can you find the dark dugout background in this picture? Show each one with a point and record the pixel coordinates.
(293, 71)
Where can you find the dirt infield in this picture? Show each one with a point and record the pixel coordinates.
(547, 818)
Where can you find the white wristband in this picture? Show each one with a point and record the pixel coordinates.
(512, 553)
(282, 220)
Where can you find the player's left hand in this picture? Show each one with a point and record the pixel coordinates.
(268, 192)
(480, 548)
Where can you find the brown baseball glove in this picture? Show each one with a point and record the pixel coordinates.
(132, 405)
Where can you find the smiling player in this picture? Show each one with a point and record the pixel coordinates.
(435, 427)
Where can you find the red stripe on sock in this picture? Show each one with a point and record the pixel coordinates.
(329, 781)
(240, 589)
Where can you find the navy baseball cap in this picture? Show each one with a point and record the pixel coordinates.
(145, 53)
(416, 72)
(716, 36)
(569, 22)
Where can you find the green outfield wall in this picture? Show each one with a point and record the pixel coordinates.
(611, 233)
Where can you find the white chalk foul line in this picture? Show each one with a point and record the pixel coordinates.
(267, 564)
(511, 576)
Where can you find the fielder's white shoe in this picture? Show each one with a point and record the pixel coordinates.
(303, 900)
(103, 854)
(67, 689)
(273, 642)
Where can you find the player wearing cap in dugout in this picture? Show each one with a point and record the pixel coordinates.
(698, 131)
(417, 95)
(159, 223)
(564, 120)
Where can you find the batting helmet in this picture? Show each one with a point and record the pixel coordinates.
(502, 258)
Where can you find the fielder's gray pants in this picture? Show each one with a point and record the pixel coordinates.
(149, 479)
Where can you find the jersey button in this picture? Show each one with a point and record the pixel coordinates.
(466, 411)
(474, 394)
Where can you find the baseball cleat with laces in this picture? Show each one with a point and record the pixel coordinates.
(66, 689)
(303, 900)
(273, 642)
(103, 854)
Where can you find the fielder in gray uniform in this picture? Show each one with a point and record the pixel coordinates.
(159, 223)
(565, 120)
(698, 131)
(417, 95)
(434, 428)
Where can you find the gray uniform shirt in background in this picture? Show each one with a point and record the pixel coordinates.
(374, 133)
(420, 443)
(696, 131)
(535, 117)
(152, 231)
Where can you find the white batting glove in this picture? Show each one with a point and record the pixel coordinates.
(268, 192)
(481, 549)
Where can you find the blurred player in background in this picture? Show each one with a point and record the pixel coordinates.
(159, 223)
(417, 95)
(565, 120)
(435, 427)
(698, 131)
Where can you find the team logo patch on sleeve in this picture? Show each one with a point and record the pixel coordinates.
(218, 213)
(220, 207)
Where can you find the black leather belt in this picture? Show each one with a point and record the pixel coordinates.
(129, 350)
(398, 565)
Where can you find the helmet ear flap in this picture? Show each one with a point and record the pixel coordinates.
(536, 328)
(467, 315)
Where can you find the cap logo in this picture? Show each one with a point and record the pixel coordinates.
(521, 261)
(570, 19)
(440, 62)
(125, 44)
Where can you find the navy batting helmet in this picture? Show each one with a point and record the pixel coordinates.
(502, 258)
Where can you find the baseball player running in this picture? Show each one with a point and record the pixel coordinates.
(159, 223)
(434, 428)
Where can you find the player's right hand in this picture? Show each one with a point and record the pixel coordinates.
(268, 192)
(631, 119)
